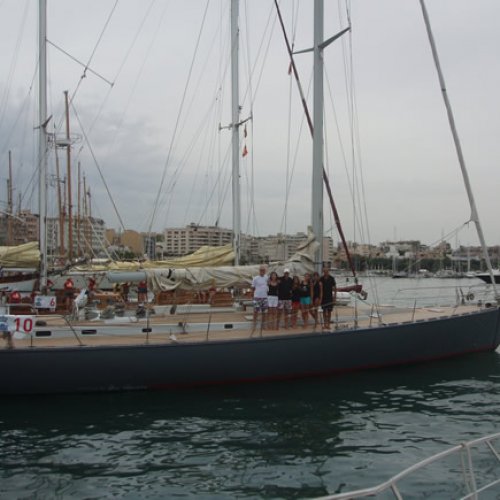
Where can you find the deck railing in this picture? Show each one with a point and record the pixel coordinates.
(467, 469)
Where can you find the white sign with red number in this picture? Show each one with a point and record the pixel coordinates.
(45, 302)
(17, 324)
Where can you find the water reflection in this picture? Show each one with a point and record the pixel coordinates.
(289, 439)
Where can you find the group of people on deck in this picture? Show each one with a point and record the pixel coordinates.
(279, 300)
(70, 291)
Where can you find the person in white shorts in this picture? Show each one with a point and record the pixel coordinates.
(260, 289)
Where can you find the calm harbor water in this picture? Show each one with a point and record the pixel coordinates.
(297, 439)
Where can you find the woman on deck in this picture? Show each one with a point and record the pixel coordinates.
(69, 293)
(142, 292)
(305, 297)
(272, 300)
(296, 294)
(316, 289)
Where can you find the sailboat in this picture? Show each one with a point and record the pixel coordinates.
(221, 348)
(487, 277)
(18, 262)
(18, 265)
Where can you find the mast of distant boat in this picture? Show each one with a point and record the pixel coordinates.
(474, 214)
(10, 209)
(42, 139)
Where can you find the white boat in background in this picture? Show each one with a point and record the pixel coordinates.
(448, 274)
(486, 277)
(22, 280)
(400, 274)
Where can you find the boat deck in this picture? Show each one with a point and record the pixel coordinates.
(216, 325)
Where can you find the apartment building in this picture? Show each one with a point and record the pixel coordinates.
(88, 236)
(23, 227)
(185, 240)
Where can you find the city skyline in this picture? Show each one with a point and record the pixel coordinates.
(26, 230)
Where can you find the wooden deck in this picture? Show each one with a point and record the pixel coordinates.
(211, 326)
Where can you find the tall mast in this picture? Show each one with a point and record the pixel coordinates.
(311, 129)
(68, 176)
(79, 212)
(42, 138)
(10, 205)
(317, 174)
(235, 130)
(86, 218)
(474, 214)
(90, 223)
(60, 206)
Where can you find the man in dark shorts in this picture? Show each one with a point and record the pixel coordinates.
(142, 292)
(328, 296)
(69, 293)
(285, 297)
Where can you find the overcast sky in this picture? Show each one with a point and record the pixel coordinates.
(156, 129)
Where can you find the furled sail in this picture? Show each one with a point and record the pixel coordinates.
(199, 278)
(204, 256)
(25, 256)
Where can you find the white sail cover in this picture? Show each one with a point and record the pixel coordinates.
(25, 256)
(204, 256)
(199, 278)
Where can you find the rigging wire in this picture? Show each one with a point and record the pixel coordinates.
(121, 118)
(222, 192)
(75, 91)
(223, 40)
(20, 114)
(184, 160)
(324, 174)
(203, 126)
(262, 53)
(87, 66)
(8, 87)
(356, 157)
(13, 65)
(98, 167)
(119, 122)
(250, 178)
(181, 106)
(111, 84)
(221, 184)
(169, 189)
(289, 131)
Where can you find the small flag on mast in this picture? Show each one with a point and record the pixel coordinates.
(245, 151)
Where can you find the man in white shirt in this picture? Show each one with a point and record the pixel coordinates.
(260, 289)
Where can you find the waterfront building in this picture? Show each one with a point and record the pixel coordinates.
(23, 228)
(185, 240)
(88, 237)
